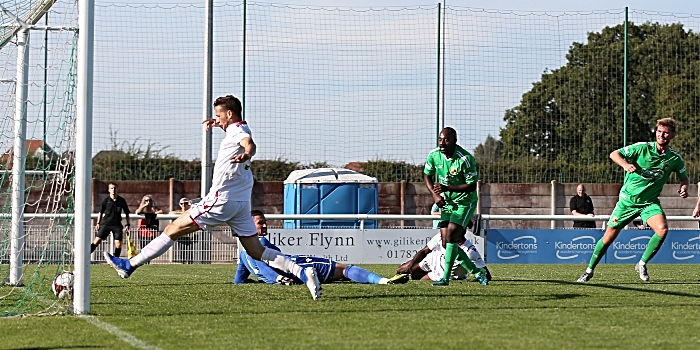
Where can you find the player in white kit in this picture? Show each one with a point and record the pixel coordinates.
(228, 202)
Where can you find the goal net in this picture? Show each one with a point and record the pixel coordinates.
(37, 129)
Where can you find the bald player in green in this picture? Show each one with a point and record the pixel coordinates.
(648, 166)
(454, 191)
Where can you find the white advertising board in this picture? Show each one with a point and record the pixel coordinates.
(352, 246)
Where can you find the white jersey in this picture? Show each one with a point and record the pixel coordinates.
(232, 181)
(434, 262)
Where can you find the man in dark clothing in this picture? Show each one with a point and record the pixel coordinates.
(581, 204)
(110, 220)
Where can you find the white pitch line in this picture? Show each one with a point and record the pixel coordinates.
(124, 336)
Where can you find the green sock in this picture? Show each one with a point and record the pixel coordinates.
(466, 263)
(598, 253)
(451, 253)
(652, 247)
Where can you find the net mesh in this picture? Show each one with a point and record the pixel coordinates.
(50, 146)
(535, 96)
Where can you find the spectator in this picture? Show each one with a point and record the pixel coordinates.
(147, 228)
(435, 210)
(581, 204)
(110, 220)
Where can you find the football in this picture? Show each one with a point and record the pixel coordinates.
(63, 285)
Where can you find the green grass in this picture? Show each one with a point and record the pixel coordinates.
(525, 307)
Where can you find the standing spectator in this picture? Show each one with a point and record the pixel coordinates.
(581, 204)
(110, 220)
(147, 228)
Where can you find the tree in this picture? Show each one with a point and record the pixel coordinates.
(489, 151)
(574, 115)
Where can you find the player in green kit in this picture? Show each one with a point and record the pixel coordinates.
(648, 166)
(454, 190)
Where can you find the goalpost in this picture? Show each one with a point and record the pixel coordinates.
(45, 115)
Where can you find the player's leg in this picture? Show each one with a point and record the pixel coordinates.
(101, 235)
(458, 219)
(242, 224)
(118, 236)
(476, 258)
(656, 219)
(95, 243)
(622, 215)
(360, 275)
(179, 227)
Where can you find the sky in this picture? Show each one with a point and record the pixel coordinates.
(673, 6)
(148, 87)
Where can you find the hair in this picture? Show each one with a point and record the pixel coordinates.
(450, 131)
(112, 183)
(667, 122)
(256, 213)
(231, 103)
(185, 199)
(153, 201)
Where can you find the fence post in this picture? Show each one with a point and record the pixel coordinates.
(553, 203)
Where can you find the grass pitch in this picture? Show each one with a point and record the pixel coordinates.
(525, 307)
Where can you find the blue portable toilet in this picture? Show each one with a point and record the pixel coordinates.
(330, 191)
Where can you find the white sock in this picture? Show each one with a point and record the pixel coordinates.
(641, 263)
(383, 281)
(281, 262)
(589, 270)
(475, 257)
(152, 250)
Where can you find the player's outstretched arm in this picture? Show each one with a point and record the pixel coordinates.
(249, 147)
(683, 190)
(617, 157)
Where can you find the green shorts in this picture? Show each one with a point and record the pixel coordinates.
(624, 213)
(458, 214)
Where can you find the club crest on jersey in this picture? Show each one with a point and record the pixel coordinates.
(453, 171)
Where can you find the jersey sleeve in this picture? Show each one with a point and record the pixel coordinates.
(125, 207)
(471, 171)
(681, 171)
(429, 168)
(434, 242)
(266, 243)
(103, 207)
(572, 204)
(631, 151)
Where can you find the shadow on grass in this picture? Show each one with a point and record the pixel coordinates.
(620, 287)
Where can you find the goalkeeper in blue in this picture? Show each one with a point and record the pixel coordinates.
(327, 269)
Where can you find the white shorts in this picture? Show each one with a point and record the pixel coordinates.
(213, 211)
(434, 265)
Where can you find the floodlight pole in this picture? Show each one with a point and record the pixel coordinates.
(83, 154)
(18, 157)
(208, 96)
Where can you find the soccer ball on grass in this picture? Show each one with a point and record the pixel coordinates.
(63, 285)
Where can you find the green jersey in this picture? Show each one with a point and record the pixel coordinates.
(653, 170)
(458, 170)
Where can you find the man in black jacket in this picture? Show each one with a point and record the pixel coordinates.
(110, 220)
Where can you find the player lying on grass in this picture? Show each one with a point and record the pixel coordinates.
(228, 202)
(429, 263)
(327, 269)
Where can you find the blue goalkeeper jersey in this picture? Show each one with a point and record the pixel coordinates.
(325, 268)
